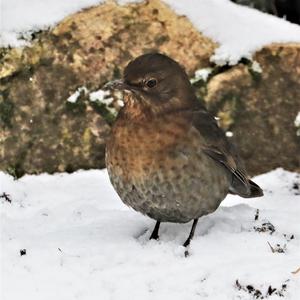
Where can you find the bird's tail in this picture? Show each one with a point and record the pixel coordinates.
(246, 188)
(255, 190)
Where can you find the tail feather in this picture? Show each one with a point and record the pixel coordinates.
(255, 190)
(248, 190)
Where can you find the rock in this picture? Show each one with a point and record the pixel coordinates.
(258, 103)
(40, 131)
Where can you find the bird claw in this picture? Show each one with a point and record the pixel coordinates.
(154, 237)
(186, 253)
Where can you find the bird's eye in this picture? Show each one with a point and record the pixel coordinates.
(151, 83)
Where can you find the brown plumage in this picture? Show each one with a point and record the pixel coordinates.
(167, 157)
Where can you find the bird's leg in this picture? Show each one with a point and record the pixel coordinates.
(154, 235)
(187, 242)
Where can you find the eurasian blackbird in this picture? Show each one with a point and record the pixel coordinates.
(166, 156)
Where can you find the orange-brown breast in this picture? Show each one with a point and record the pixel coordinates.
(139, 147)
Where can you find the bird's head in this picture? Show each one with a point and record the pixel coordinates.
(154, 84)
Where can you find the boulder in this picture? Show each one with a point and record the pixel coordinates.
(257, 102)
(40, 130)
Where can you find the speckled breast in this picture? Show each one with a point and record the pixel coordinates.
(158, 169)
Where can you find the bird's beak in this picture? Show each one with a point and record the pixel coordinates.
(116, 85)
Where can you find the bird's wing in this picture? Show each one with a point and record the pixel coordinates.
(217, 146)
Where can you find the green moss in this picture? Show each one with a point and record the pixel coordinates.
(45, 61)
(86, 141)
(228, 109)
(3, 52)
(127, 20)
(161, 40)
(11, 171)
(256, 76)
(78, 107)
(200, 85)
(6, 111)
(200, 88)
(117, 72)
(70, 168)
(19, 170)
(233, 100)
(16, 170)
(101, 109)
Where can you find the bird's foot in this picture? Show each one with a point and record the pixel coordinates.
(187, 242)
(186, 246)
(186, 253)
(154, 236)
(190, 237)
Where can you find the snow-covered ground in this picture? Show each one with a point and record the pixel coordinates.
(239, 30)
(77, 239)
(82, 243)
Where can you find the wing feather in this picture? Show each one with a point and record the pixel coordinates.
(217, 146)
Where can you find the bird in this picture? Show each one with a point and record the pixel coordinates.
(166, 156)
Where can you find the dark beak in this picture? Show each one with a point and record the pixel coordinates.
(116, 85)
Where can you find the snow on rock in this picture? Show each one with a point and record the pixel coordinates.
(19, 16)
(74, 97)
(78, 241)
(297, 120)
(297, 123)
(239, 30)
(256, 67)
(22, 17)
(229, 133)
(101, 96)
(201, 74)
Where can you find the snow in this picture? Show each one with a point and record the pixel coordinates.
(239, 30)
(256, 67)
(20, 16)
(201, 74)
(82, 243)
(297, 124)
(297, 120)
(229, 133)
(74, 97)
(101, 96)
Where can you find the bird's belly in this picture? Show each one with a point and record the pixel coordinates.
(172, 185)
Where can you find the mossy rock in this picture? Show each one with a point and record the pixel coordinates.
(40, 131)
(259, 108)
